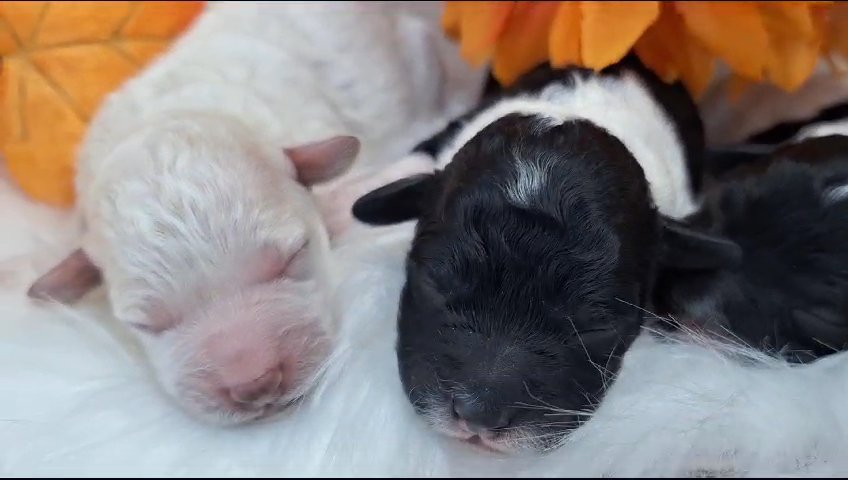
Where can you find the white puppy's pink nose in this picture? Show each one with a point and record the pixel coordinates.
(255, 353)
(261, 391)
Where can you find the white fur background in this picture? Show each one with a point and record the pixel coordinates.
(75, 400)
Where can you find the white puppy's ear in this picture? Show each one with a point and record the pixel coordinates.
(68, 281)
(323, 160)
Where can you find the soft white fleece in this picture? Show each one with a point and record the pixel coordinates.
(75, 401)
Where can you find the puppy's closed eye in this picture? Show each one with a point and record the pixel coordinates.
(148, 329)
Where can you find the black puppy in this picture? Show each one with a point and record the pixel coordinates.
(537, 245)
(788, 210)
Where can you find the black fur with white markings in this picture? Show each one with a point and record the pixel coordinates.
(515, 314)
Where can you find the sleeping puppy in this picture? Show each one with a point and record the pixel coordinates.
(788, 210)
(536, 246)
(196, 187)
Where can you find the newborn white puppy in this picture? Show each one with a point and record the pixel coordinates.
(194, 184)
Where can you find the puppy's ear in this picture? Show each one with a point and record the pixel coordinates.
(396, 202)
(68, 281)
(684, 247)
(323, 160)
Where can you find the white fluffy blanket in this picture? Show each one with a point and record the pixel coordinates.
(76, 401)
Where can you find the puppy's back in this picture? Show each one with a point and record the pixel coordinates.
(789, 213)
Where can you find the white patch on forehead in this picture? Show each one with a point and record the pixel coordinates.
(530, 178)
(621, 105)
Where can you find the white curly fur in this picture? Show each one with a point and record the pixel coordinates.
(193, 211)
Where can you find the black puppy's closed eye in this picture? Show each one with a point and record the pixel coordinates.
(687, 248)
(396, 202)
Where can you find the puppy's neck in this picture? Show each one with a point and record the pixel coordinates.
(621, 105)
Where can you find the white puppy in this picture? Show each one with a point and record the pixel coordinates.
(194, 188)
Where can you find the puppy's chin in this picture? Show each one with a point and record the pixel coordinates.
(212, 411)
(509, 442)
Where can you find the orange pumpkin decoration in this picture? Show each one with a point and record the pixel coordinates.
(60, 59)
(777, 42)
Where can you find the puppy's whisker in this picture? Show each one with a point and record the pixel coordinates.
(644, 310)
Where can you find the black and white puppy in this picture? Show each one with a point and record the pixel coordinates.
(788, 210)
(536, 246)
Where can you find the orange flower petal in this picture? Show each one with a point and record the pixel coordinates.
(655, 52)
(733, 31)
(598, 47)
(59, 60)
(775, 41)
(837, 27)
(565, 35)
(685, 58)
(22, 18)
(161, 20)
(481, 25)
(699, 67)
(524, 43)
(452, 19)
(77, 22)
(795, 43)
(788, 18)
(737, 86)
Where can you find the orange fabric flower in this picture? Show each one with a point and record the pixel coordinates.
(777, 42)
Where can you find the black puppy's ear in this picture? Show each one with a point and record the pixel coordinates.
(684, 247)
(396, 202)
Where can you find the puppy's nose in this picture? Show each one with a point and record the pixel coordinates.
(479, 417)
(264, 389)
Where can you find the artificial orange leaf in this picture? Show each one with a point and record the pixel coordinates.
(794, 42)
(698, 67)
(779, 42)
(524, 43)
(62, 67)
(655, 52)
(141, 51)
(452, 19)
(481, 25)
(8, 43)
(161, 20)
(788, 18)
(22, 18)
(685, 59)
(733, 31)
(78, 22)
(736, 86)
(565, 35)
(598, 48)
(837, 32)
(61, 62)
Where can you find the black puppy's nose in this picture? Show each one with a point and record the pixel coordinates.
(481, 417)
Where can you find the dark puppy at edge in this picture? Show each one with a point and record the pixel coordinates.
(536, 248)
(786, 205)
